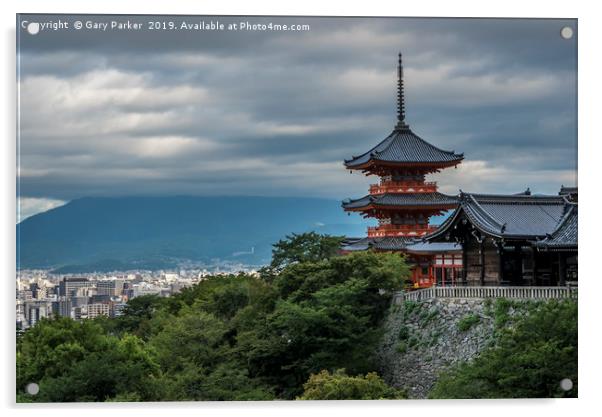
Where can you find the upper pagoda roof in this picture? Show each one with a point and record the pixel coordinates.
(403, 147)
(518, 216)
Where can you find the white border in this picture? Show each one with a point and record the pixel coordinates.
(590, 156)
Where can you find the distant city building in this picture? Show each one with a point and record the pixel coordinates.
(79, 301)
(64, 307)
(144, 288)
(76, 313)
(40, 295)
(36, 310)
(110, 287)
(95, 310)
(68, 286)
(25, 295)
(34, 287)
(117, 309)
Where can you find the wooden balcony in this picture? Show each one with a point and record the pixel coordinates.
(403, 187)
(400, 230)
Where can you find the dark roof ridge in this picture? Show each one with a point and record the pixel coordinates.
(481, 211)
(570, 208)
(564, 234)
(488, 218)
(567, 200)
(516, 198)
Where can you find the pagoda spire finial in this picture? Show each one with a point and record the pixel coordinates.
(401, 106)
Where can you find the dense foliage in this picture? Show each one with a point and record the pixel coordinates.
(234, 337)
(284, 335)
(74, 361)
(535, 350)
(305, 247)
(340, 386)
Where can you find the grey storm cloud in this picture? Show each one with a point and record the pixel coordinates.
(275, 113)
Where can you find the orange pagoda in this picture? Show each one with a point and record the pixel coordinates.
(403, 201)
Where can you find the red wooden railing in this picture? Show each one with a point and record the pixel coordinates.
(403, 187)
(393, 230)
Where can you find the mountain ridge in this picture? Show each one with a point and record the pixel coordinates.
(143, 229)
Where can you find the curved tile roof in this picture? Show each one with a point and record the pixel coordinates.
(513, 216)
(565, 234)
(410, 244)
(380, 243)
(404, 147)
(435, 199)
(436, 247)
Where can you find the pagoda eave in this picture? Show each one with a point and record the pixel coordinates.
(431, 166)
(418, 207)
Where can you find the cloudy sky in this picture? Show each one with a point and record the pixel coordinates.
(275, 113)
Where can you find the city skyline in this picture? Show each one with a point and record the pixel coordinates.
(208, 113)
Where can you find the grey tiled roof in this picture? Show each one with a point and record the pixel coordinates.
(403, 146)
(509, 216)
(434, 247)
(402, 199)
(379, 243)
(567, 190)
(565, 234)
(409, 244)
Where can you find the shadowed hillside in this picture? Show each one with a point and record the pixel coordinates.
(158, 230)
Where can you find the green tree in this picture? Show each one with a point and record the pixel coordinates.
(305, 247)
(329, 317)
(222, 296)
(77, 361)
(138, 313)
(194, 338)
(198, 360)
(340, 386)
(230, 337)
(529, 359)
(230, 382)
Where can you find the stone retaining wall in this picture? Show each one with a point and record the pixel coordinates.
(424, 338)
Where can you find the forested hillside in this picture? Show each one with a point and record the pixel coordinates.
(308, 328)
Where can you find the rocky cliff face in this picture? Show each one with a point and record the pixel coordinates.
(423, 339)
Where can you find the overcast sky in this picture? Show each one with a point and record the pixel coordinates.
(275, 113)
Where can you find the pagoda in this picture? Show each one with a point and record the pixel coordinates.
(403, 201)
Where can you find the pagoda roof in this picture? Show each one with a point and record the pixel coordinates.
(404, 147)
(518, 216)
(378, 243)
(564, 237)
(433, 200)
(408, 244)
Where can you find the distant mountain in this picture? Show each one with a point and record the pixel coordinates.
(121, 232)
